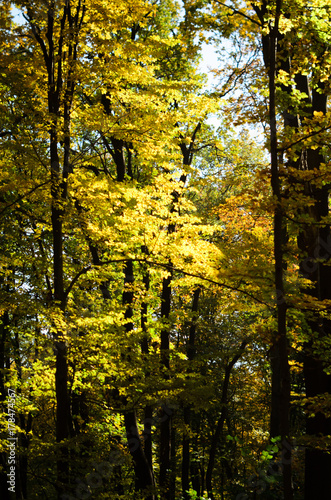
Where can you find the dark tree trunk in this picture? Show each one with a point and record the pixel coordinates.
(147, 434)
(61, 364)
(173, 460)
(118, 156)
(187, 411)
(60, 46)
(197, 461)
(186, 455)
(220, 423)
(318, 460)
(4, 342)
(142, 457)
(148, 415)
(166, 417)
(316, 244)
(281, 381)
(25, 424)
(281, 399)
(144, 479)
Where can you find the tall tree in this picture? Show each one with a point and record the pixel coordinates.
(293, 36)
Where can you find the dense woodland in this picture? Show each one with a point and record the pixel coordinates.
(165, 284)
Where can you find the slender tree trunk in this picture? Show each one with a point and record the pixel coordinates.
(4, 339)
(165, 425)
(186, 455)
(173, 460)
(144, 479)
(25, 424)
(281, 399)
(166, 417)
(148, 414)
(187, 411)
(142, 457)
(220, 423)
(61, 365)
(281, 382)
(53, 62)
(195, 470)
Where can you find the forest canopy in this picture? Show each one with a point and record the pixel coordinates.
(165, 283)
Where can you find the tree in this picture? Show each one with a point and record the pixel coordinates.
(62, 47)
(297, 91)
(158, 278)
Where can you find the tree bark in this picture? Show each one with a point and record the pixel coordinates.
(165, 425)
(187, 411)
(221, 420)
(4, 338)
(60, 47)
(141, 456)
(148, 413)
(166, 418)
(314, 240)
(280, 343)
(281, 380)
(144, 478)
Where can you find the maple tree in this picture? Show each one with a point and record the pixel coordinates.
(294, 48)
(162, 287)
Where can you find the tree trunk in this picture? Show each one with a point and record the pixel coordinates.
(186, 455)
(187, 411)
(220, 423)
(142, 457)
(54, 55)
(281, 381)
(144, 479)
(61, 365)
(148, 415)
(165, 420)
(315, 242)
(281, 400)
(4, 338)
